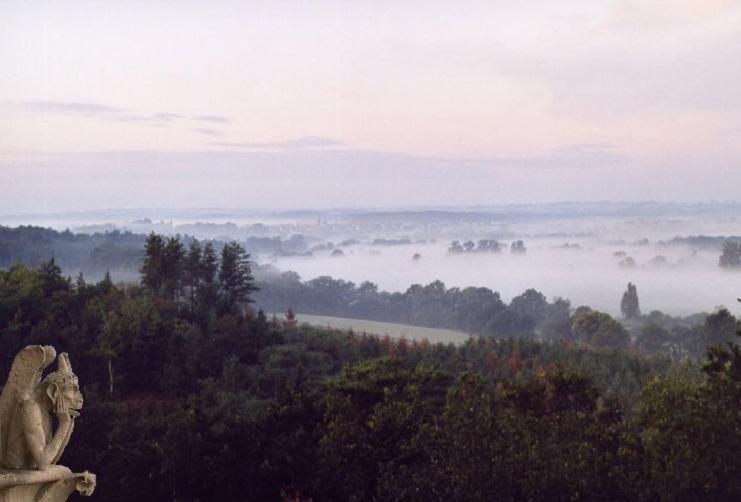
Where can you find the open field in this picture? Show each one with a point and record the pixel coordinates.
(433, 335)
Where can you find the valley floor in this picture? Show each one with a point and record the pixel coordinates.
(433, 335)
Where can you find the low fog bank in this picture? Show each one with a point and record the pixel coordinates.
(687, 282)
(585, 252)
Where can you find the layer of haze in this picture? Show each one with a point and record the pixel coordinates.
(589, 276)
(687, 280)
(319, 104)
(677, 276)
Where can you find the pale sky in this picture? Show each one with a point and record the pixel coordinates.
(315, 104)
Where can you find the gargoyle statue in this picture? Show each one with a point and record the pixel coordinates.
(29, 447)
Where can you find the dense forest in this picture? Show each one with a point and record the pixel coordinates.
(193, 394)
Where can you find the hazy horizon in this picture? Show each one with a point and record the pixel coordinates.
(575, 250)
(253, 111)
(84, 181)
(277, 104)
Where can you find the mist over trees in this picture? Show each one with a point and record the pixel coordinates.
(629, 304)
(518, 247)
(481, 311)
(474, 310)
(731, 255)
(190, 275)
(281, 411)
(482, 246)
(305, 247)
(93, 255)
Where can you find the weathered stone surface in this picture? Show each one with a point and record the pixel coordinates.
(29, 445)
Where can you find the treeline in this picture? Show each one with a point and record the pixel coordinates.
(187, 271)
(198, 397)
(93, 255)
(476, 310)
(710, 242)
(195, 278)
(481, 311)
(482, 246)
(119, 252)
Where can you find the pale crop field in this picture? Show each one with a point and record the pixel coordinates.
(433, 335)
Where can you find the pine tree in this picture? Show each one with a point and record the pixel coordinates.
(106, 284)
(193, 271)
(235, 277)
(52, 279)
(210, 264)
(629, 305)
(207, 292)
(172, 267)
(151, 270)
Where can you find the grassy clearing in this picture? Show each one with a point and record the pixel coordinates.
(434, 335)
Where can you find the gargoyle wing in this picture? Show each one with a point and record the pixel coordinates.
(25, 375)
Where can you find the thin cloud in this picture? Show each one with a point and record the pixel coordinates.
(117, 114)
(162, 118)
(168, 117)
(208, 132)
(109, 112)
(131, 118)
(69, 107)
(306, 142)
(212, 118)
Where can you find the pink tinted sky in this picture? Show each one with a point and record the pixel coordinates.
(286, 104)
